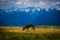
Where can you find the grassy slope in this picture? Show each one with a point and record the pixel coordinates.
(7, 35)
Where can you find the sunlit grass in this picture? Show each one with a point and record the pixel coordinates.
(41, 33)
(38, 29)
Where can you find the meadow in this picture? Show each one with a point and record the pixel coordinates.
(40, 33)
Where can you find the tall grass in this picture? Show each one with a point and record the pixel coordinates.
(4, 35)
(28, 36)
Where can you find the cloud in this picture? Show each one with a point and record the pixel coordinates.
(41, 4)
(18, 3)
(2, 0)
(57, 2)
(56, 5)
(29, 3)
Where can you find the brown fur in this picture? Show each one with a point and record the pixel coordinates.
(28, 26)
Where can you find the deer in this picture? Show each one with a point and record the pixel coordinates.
(29, 26)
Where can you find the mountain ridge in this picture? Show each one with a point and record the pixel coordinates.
(41, 17)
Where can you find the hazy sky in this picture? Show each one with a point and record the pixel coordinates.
(20, 3)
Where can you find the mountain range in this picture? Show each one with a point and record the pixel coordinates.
(29, 15)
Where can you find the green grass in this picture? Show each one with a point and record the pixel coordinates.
(37, 26)
(46, 26)
(28, 36)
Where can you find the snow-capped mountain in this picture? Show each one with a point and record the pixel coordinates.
(22, 16)
(30, 10)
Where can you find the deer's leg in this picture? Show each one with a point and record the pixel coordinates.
(24, 28)
(33, 28)
(27, 29)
